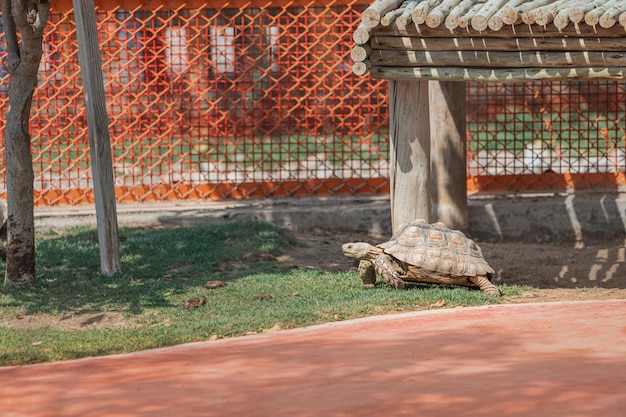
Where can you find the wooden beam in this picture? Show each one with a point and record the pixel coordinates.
(438, 15)
(372, 15)
(457, 13)
(448, 155)
(360, 53)
(408, 43)
(98, 130)
(611, 16)
(480, 21)
(515, 31)
(361, 67)
(409, 127)
(391, 16)
(361, 35)
(406, 17)
(497, 59)
(421, 10)
(504, 75)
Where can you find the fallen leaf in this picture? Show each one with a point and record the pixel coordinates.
(277, 327)
(194, 303)
(214, 284)
(47, 350)
(214, 337)
(256, 257)
(439, 303)
(337, 317)
(20, 316)
(249, 333)
(530, 295)
(37, 343)
(263, 297)
(165, 323)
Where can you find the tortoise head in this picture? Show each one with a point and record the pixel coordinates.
(359, 250)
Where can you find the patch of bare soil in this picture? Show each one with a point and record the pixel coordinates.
(558, 271)
(75, 321)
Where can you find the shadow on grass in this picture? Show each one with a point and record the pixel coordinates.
(156, 266)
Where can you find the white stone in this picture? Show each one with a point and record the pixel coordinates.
(538, 157)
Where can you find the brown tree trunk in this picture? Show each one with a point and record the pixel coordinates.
(23, 60)
(20, 264)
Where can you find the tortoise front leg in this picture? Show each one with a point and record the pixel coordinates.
(390, 272)
(367, 273)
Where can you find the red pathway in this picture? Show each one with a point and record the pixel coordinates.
(553, 359)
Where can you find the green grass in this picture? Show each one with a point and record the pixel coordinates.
(163, 268)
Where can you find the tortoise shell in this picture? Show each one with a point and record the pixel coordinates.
(437, 248)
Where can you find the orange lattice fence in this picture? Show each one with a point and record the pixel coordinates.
(213, 103)
(239, 99)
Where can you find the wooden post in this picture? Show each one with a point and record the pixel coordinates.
(409, 127)
(448, 152)
(99, 141)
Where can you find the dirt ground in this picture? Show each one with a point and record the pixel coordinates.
(559, 271)
(556, 271)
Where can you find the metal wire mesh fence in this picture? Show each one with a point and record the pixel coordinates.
(237, 102)
(546, 135)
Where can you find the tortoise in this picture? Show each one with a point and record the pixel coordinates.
(422, 252)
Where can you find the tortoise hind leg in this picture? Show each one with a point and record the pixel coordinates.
(486, 286)
(390, 272)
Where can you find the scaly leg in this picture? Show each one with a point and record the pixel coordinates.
(390, 272)
(486, 286)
